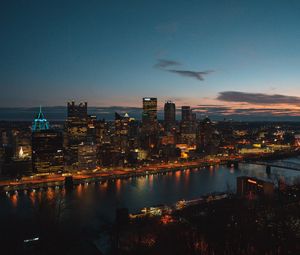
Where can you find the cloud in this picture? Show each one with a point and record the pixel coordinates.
(199, 75)
(249, 113)
(257, 98)
(164, 63)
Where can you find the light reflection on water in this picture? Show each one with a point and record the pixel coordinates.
(88, 201)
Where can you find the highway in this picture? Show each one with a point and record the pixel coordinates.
(106, 174)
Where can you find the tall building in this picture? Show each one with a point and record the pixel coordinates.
(169, 115)
(149, 123)
(47, 147)
(76, 130)
(91, 128)
(149, 110)
(186, 113)
(188, 126)
(208, 138)
(87, 156)
(121, 136)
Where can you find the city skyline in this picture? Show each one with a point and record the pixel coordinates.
(234, 58)
(150, 127)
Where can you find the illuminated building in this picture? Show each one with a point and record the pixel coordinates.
(91, 128)
(208, 139)
(185, 150)
(149, 136)
(169, 115)
(22, 144)
(40, 122)
(187, 126)
(109, 156)
(47, 148)
(87, 156)
(253, 186)
(122, 132)
(102, 132)
(76, 130)
(122, 124)
(149, 116)
(167, 139)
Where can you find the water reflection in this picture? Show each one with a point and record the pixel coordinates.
(79, 189)
(135, 193)
(150, 181)
(50, 194)
(177, 176)
(32, 197)
(186, 177)
(118, 185)
(14, 200)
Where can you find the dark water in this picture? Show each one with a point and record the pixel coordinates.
(97, 202)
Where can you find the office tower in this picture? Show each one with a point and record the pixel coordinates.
(169, 115)
(91, 128)
(186, 113)
(122, 124)
(76, 130)
(47, 147)
(87, 156)
(186, 120)
(208, 139)
(149, 116)
(102, 132)
(187, 126)
(149, 134)
(47, 151)
(109, 156)
(120, 138)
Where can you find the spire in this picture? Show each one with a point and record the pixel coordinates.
(40, 123)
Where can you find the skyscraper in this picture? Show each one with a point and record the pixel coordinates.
(47, 146)
(76, 130)
(188, 126)
(186, 113)
(87, 156)
(149, 110)
(47, 151)
(169, 115)
(150, 124)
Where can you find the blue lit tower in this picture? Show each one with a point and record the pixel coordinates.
(47, 146)
(40, 122)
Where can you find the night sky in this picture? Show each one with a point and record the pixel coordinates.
(221, 57)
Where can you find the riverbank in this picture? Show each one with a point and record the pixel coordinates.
(43, 182)
(59, 181)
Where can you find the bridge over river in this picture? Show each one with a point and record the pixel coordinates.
(288, 165)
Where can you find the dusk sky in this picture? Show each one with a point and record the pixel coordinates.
(226, 57)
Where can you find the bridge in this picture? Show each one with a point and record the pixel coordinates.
(289, 165)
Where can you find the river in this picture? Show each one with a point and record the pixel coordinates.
(93, 204)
